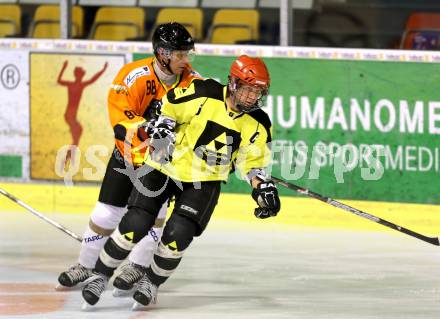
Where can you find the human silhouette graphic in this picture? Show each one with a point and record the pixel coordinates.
(74, 93)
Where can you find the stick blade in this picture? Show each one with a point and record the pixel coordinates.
(434, 240)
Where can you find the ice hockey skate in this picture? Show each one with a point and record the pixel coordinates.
(93, 290)
(124, 284)
(74, 277)
(146, 293)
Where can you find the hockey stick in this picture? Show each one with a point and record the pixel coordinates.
(36, 213)
(335, 203)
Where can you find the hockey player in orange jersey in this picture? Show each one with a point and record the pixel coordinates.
(133, 99)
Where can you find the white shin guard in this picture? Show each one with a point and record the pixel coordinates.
(104, 216)
(90, 248)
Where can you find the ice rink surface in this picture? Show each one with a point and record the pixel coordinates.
(235, 271)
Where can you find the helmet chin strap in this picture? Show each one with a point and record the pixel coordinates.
(160, 57)
(163, 76)
(167, 65)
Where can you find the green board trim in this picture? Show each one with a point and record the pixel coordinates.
(11, 166)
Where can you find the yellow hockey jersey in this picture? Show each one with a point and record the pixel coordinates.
(209, 137)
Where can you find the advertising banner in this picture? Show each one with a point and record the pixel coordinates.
(359, 126)
(354, 124)
(351, 129)
(14, 114)
(70, 129)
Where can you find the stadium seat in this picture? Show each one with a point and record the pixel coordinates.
(46, 22)
(422, 32)
(118, 23)
(10, 15)
(191, 18)
(231, 26)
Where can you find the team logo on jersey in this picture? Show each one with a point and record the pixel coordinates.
(217, 144)
(119, 88)
(135, 74)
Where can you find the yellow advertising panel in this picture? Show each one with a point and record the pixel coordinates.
(71, 135)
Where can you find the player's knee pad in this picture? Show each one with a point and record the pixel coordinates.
(178, 233)
(105, 218)
(135, 224)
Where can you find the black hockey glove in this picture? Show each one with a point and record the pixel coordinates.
(266, 196)
(162, 144)
(151, 115)
(153, 110)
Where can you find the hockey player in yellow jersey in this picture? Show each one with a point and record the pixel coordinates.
(202, 132)
(133, 98)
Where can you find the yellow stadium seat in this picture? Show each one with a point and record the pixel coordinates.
(118, 23)
(46, 23)
(10, 15)
(230, 26)
(191, 18)
(230, 35)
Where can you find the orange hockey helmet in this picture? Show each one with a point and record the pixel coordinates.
(252, 74)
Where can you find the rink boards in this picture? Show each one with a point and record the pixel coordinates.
(355, 108)
(303, 212)
(371, 122)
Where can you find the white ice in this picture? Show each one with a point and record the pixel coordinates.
(239, 271)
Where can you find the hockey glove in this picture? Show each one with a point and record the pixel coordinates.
(153, 110)
(266, 196)
(151, 115)
(162, 144)
(144, 131)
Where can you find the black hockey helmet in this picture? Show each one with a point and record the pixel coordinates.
(172, 36)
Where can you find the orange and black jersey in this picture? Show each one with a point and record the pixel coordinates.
(210, 137)
(133, 91)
